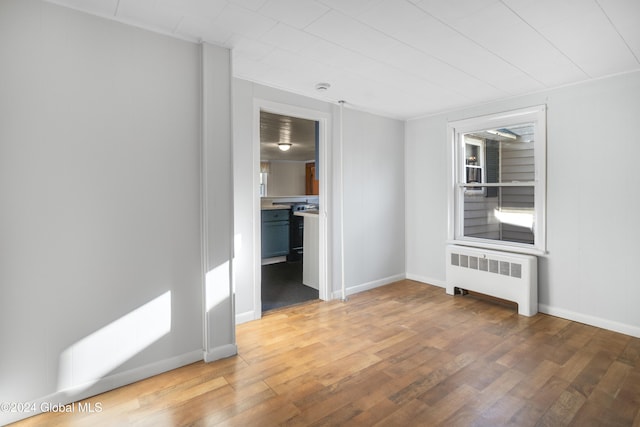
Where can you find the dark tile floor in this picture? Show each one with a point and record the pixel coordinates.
(282, 286)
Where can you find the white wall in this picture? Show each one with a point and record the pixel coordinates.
(374, 201)
(373, 190)
(592, 152)
(286, 179)
(100, 256)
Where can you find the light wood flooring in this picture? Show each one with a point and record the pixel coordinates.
(404, 354)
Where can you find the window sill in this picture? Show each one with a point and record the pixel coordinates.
(505, 247)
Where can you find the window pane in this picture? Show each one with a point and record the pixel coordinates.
(473, 159)
(508, 153)
(507, 216)
(474, 175)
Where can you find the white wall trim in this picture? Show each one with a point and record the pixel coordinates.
(598, 322)
(324, 119)
(217, 216)
(337, 294)
(104, 384)
(204, 248)
(220, 352)
(247, 316)
(427, 280)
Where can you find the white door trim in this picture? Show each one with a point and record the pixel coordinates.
(324, 157)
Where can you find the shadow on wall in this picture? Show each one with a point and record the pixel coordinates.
(543, 280)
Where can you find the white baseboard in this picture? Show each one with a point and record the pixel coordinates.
(599, 322)
(367, 286)
(245, 317)
(109, 382)
(427, 280)
(220, 352)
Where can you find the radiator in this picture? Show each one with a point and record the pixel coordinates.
(509, 276)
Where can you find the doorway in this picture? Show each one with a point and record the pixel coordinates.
(284, 187)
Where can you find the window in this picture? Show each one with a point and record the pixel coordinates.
(497, 190)
(474, 164)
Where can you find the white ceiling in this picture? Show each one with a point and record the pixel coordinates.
(275, 128)
(402, 58)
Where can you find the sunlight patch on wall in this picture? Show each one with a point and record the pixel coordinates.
(88, 360)
(217, 285)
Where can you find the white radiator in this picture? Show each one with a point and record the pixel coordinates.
(512, 277)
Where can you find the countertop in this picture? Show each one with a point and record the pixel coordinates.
(309, 213)
(274, 207)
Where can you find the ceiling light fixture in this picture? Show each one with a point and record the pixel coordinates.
(284, 146)
(323, 87)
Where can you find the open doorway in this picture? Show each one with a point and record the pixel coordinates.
(291, 266)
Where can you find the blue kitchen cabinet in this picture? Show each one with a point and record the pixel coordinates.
(275, 233)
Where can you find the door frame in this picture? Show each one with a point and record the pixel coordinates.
(324, 156)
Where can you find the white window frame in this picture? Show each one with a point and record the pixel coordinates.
(481, 165)
(457, 177)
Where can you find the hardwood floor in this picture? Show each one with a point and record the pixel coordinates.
(399, 355)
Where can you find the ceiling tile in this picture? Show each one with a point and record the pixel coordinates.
(415, 67)
(251, 69)
(593, 44)
(288, 38)
(348, 32)
(367, 91)
(624, 16)
(249, 48)
(363, 70)
(195, 8)
(579, 29)
(297, 13)
(477, 61)
(197, 28)
(356, 37)
(342, 58)
(380, 98)
(273, 71)
(448, 11)
(537, 13)
(352, 7)
(95, 7)
(239, 20)
(503, 32)
(406, 22)
(538, 59)
(416, 28)
(309, 70)
(250, 4)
